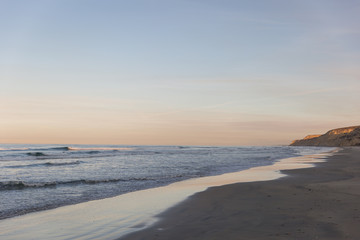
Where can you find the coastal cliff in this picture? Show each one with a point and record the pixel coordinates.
(340, 137)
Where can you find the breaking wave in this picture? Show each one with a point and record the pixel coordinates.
(47, 164)
(37, 149)
(66, 148)
(20, 185)
(100, 149)
(36, 154)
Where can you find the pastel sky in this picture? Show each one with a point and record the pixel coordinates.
(171, 72)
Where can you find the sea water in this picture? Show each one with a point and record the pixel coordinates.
(39, 177)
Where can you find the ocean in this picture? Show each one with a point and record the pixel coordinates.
(39, 177)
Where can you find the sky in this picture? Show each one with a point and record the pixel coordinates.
(177, 72)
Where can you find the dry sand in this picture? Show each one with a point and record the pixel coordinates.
(312, 203)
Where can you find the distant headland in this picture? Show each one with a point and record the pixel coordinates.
(340, 137)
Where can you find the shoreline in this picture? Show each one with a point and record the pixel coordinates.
(50, 178)
(310, 203)
(115, 217)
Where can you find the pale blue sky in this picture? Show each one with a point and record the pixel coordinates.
(177, 72)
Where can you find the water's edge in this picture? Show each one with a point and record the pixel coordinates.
(42, 177)
(115, 217)
(260, 173)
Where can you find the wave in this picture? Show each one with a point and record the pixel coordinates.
(36, 154)
(60, 148)
(47, 164)
(36, 149)
(62, 163)
(67, 148)
(20, 185)
(100, 149)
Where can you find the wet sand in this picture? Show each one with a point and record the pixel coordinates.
(311, 203)
(115, 217)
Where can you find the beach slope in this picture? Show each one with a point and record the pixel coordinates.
(312, 203)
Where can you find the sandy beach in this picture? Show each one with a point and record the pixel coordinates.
(115, 217)
(312, 203)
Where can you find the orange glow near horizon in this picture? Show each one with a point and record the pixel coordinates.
(230, 73)
(101, 121)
